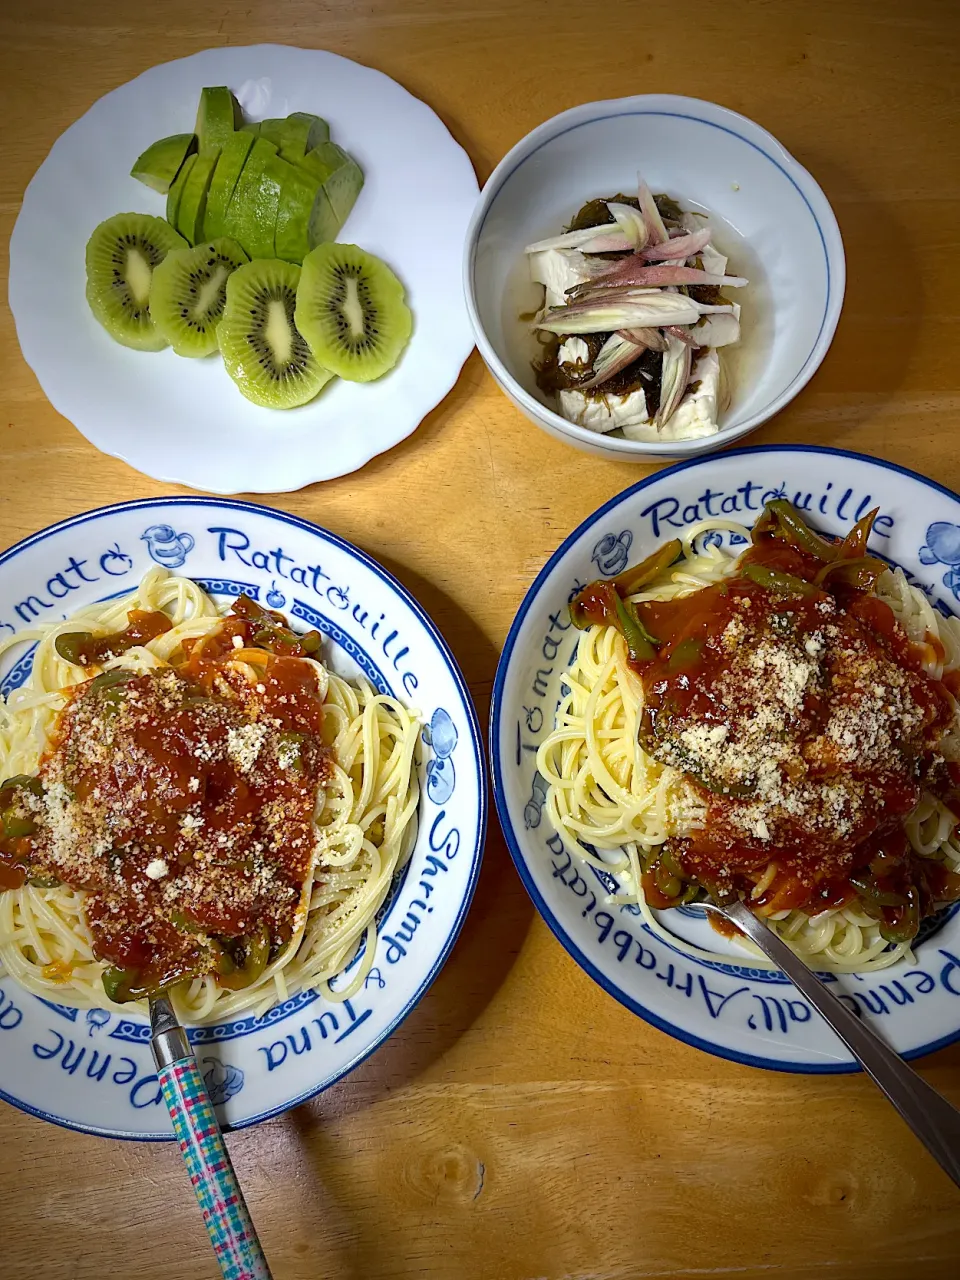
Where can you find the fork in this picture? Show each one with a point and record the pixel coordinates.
(931, 1117)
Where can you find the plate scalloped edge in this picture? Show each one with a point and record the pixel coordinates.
(74, 360)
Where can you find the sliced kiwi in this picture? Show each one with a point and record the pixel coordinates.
(193, 202)
(122, 254)
(160, 163)
(175, 194)
(218, 116)
(224, 182)
(262, 349)
(351, 311)
(188, 292)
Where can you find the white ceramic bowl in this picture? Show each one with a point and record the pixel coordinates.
(773, 220)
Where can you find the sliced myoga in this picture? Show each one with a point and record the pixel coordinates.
(188, 295)
(351, 310)
(122, 255)
(262, 349)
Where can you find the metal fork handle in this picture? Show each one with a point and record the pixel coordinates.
(931, 1117)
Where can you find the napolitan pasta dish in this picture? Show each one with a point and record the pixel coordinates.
(782, 727)
(194, 803)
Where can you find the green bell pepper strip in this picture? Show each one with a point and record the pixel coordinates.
(860, 573)
(774, 580)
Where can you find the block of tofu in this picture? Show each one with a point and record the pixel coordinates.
(558, 270)
(698, 411)
(604, 413)
(575, 354)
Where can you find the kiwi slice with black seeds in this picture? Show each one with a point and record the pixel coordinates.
(188, 294)
(351, 311)
(264, 353)
(122, 254)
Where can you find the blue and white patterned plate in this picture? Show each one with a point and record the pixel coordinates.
(92, 1070)
(731, 1009)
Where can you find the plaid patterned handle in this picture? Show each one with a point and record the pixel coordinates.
(232, 1233)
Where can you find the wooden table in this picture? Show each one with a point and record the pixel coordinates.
(521, 1123)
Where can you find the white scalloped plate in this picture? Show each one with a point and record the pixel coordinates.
(93, 1070)
(184, 421)
(731, 1009)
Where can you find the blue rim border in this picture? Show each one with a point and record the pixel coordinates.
(556, 928)
(476, 741)
(492, 189)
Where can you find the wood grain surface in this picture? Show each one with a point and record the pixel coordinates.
(521, 1123)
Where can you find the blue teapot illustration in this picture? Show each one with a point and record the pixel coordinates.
(533, 809)
(223, 1081)
(943, 547)
(166, 546)
(441, 734)
(611, 552)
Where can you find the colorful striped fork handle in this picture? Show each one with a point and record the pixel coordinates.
(197, 1131)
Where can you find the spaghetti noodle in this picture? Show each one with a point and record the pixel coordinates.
(194, 801)
(734, 726)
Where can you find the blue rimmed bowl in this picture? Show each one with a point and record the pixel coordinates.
(771, 218)
(728, 1007)
(93, 1070)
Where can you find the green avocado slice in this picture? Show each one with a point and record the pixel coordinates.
(303, 204)
(218, 116)
(193, 202)
(162, 160)
(251, 217)
(176, 189)
(340, 174)
(233, 157)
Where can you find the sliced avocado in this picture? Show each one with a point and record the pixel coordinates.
(218, 116)
(272, 129)
(302, 132)
(339, 173)
(252, 126)
(342, 187)
(324, 223)
(224, 182)
(176, 189)
(293, 135)
(252, 213)
(160, 163)
(299, 193)
(324, 160)
(193, 202)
